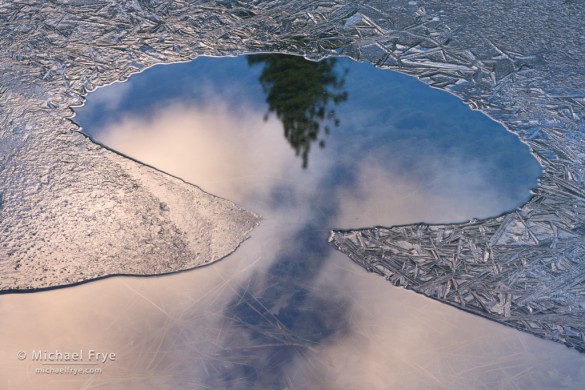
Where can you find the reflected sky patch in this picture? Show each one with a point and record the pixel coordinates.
(390, 131)
(286, 310)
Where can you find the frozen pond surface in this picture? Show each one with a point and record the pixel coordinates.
(522, 63)
(287, 310)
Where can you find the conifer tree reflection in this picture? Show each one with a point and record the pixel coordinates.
(303, 95)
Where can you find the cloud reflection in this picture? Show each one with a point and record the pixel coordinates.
(286, 310)
(229, 151)
(450, 190)
(290, 321)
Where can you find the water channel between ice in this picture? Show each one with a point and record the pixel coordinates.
(286, 309)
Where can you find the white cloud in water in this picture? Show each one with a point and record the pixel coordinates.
(396, 338)
(449, 190)
(171, 327)
(228, 151)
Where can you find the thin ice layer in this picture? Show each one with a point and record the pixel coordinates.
(519, 62)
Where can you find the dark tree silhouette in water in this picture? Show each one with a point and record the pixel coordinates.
(303, 95)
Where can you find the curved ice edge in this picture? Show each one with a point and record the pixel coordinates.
(150, 276)
(512, 269)
(118, 217)
(367, 265)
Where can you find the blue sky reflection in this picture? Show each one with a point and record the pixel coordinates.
(210, 113)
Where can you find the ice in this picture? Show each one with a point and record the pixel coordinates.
(73, 211)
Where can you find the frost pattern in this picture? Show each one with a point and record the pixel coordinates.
(73, 211)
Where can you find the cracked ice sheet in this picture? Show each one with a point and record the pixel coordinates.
(520, 63)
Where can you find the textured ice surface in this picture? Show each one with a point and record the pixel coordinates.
(524, 269)
(71, 210)
(69, 206)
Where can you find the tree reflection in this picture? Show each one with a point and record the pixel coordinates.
(303, 95)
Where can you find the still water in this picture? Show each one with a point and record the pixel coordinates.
(309, 147)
